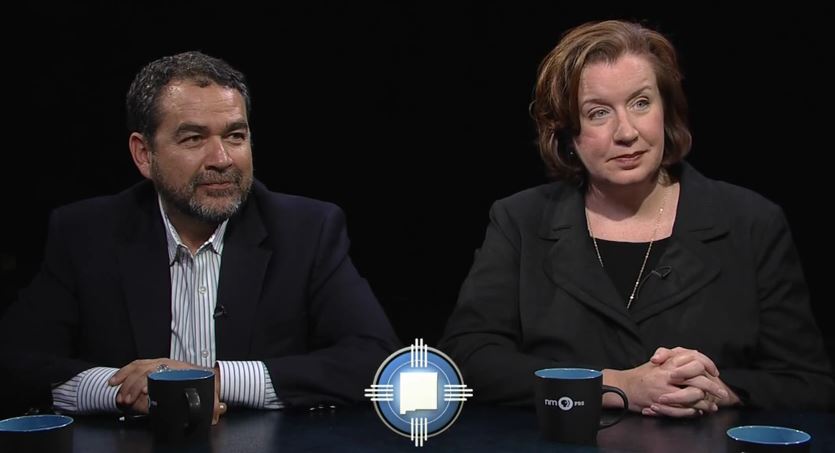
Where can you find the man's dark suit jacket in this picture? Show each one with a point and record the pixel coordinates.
(729, 284)
(291, 294)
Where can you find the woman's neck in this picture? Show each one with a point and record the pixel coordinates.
(618, 202)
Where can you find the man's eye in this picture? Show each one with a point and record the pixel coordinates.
(190, 139)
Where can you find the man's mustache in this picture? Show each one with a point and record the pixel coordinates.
(229, 176)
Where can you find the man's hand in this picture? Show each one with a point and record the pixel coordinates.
(133, 377)
(220, 408)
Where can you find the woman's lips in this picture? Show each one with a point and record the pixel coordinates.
(628, 161)
(628, 157)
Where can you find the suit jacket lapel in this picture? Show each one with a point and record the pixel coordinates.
(571, 262)
(688, 263)
(242, 270)
(146, 279)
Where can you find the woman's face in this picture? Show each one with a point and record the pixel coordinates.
(621, 139)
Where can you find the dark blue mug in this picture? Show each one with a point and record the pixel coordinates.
(568, 404)
(52, 433)
(760, 438)
(181, 404)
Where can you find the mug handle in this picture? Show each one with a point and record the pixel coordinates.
(610, 389)
(193, 400)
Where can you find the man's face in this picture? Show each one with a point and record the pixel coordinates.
(201, 154)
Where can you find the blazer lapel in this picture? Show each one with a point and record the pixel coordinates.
(243, 266)
(688, 264)
(146, 280)
(571, 262)
(685, 267)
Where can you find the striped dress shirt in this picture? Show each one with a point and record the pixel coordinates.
(194, 280)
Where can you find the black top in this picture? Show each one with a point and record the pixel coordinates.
(622, 262)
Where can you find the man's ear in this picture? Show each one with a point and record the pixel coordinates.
(140, 151)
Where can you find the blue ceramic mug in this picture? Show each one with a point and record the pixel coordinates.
(52, 433)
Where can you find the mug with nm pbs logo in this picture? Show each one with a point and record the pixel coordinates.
(568, 404)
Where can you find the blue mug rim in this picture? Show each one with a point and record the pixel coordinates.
(571, 373)
(181, 375)
(62, 420)
(734, 433)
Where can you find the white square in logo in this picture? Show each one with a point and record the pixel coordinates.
(418, 391)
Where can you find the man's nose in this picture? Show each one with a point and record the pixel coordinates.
(217, 155)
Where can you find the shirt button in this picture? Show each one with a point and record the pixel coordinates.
(202, 290)
(204, 354)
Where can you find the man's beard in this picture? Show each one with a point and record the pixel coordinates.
(185, 200)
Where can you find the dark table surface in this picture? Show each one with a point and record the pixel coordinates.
(479, 428)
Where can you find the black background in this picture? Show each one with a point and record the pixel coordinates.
(411, 117)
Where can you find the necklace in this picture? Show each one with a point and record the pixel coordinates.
(646, 255)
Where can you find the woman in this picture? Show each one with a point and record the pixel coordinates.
(687, 292)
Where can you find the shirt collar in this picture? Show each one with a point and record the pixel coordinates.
(175, 244)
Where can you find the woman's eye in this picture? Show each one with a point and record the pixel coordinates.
(596, 114)
(642, 103)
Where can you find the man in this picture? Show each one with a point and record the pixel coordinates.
(200, 267)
